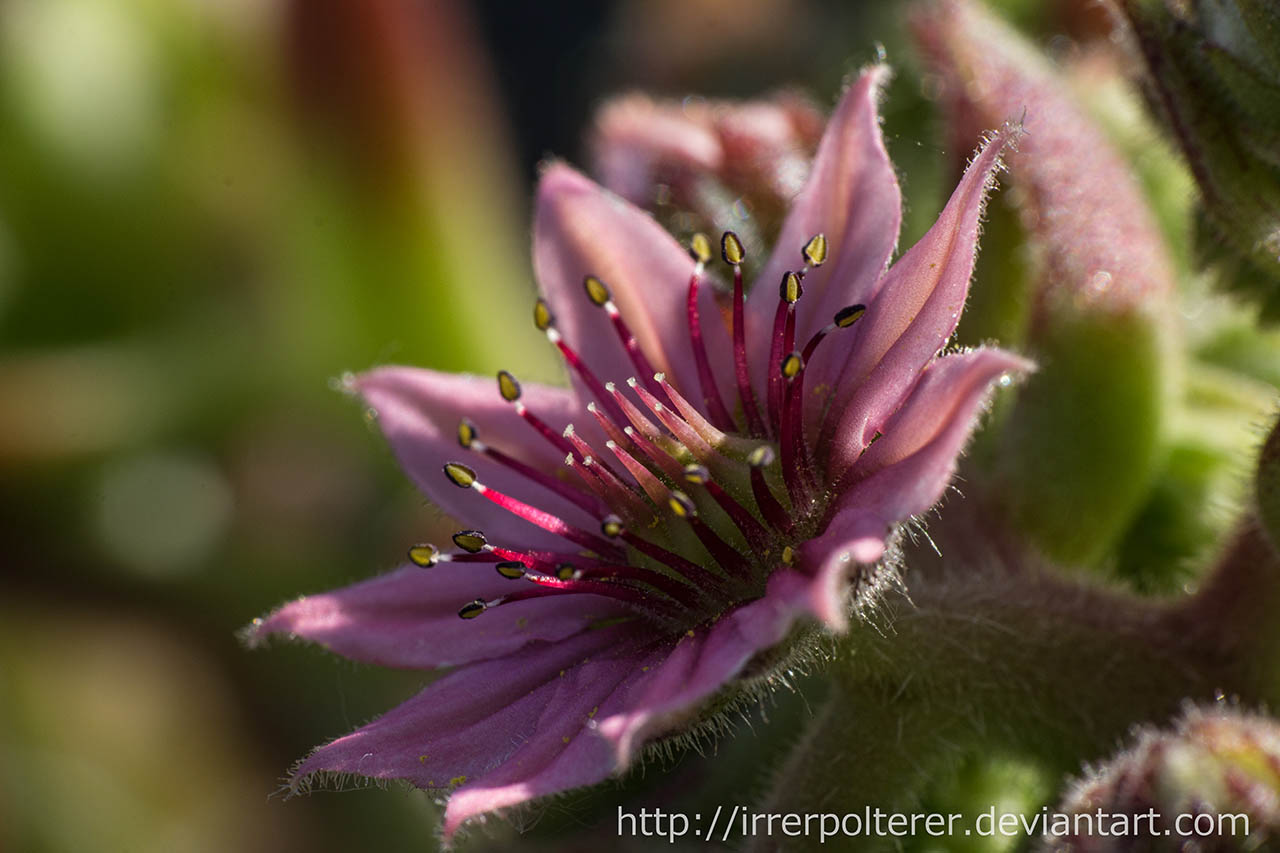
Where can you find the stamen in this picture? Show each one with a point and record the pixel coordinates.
(791, 440)
(688, 569)
(725, 554)
(759, 459)
(612, 526)
(463, 477)
(598, 293)
(475, 608)
(684, 433)
(690, 413)
(657, 455)
(701, 250)
(794, 446)
(471, 541)
(545, 322)
(468, 437)
(511, 569)
(424, 555)
(734, 254)
(652, 486)
(612, 491)
(622, 592)
(638, 418)
(789, 292)
(511, 391)
(585, 450)
(751, 528)
(610, 428)
(815, 251)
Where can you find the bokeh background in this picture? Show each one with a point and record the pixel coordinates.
(209, 211)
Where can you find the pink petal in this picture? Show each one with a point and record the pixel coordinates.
(905, 472)
(419, 410)
(581, 229)
(701, 664)
(409, 618)
(568, 751)
(851, 196)
(480, 718)
(914, 313)
(950, 390)
(635, 136)
(855, 537)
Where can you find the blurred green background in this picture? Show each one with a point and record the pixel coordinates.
(211, 209)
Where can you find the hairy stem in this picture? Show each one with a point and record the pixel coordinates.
(1029, 666)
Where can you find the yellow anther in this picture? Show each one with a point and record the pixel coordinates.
(792, 365)
(472, 610)
(682, 505)
(508, 386)
(846, 317)
(731, 249)
(466, 432)
(700, 248)
(815, 251)
(696, 474)
(542, 315)
(791, 289)
(511, 569)
(597, 292)
(761, 457)
(471, 541)
(460, 475)
(424, 555)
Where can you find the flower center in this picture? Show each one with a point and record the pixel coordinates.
(695, 508)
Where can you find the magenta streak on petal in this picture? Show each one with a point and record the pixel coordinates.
(581, 229)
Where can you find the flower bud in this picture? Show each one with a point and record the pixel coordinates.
(1214, 80)
(722, 162)
(1080, 447)
(1213, 779)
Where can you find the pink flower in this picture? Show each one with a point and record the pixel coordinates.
(637, 541)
